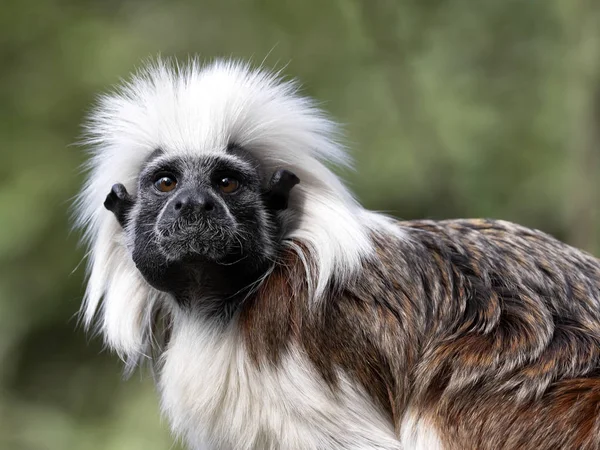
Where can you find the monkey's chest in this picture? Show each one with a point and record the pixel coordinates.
(217, 398)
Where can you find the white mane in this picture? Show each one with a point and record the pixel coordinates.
(197, 110)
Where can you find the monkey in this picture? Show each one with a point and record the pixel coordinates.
(279, 313)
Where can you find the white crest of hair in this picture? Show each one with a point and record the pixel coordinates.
(197, 110)
(217, 399)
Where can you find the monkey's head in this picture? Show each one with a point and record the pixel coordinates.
(199, 163)
(202, 224)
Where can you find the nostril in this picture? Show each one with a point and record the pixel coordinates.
(209, 206)
(178, 206)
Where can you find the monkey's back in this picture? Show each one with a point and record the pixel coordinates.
(510, 354)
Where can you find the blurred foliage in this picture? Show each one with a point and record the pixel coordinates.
(452, 108)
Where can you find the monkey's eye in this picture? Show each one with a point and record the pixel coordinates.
(165, 183)
(228, 185)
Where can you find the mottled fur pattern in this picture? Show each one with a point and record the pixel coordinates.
(364, 333)
(489, 330)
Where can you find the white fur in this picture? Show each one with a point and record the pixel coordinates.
(211, 391)
(418, 433)
(215, 396)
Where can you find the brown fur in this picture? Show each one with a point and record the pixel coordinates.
(488, 329)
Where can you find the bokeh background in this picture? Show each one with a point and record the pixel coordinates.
(452, 108)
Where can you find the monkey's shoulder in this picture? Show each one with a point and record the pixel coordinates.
(491, 253)
(487, 240)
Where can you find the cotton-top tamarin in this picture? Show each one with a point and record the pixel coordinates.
(280, 314)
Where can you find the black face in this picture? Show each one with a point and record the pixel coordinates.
(202, 226)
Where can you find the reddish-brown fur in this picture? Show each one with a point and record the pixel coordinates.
(489, 330)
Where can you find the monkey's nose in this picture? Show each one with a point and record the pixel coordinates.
(188, 202)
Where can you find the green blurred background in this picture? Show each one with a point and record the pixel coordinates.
(452, 108)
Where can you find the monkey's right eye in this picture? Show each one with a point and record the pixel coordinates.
(165, 183)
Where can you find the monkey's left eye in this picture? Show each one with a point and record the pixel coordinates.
(228, 185)
(166, 183)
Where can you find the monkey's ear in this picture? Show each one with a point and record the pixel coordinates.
(119, 202)
(278, 191)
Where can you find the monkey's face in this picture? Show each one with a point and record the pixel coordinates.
(200, 222)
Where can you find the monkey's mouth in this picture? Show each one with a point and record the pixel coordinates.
(185, 240)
